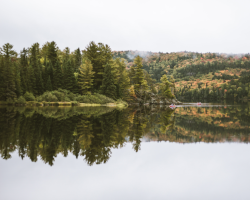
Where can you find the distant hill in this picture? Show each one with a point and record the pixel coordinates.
(198, 75)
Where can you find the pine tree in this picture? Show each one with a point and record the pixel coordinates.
(140, 83)
(58, 76)
(165, 87)
(78, 60)
(123, 81)
(49, 85)
(1, 78)
(99, 55)
(52, 53)
(85, 77)
(69, 78)
(9, 87)
(24, 70)
(37, 68)
(108, 87)
(19, 91)
(31, 80)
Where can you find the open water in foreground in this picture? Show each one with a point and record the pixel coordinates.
(191, 152)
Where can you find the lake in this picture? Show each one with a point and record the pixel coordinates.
(190, 152)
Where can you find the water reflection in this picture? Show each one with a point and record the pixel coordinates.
(92, 132)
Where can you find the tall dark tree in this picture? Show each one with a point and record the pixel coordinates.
(108, 87)
(99, 55)
(24, 70)
(69, 78)
(9, 86)
(52, 53)
(78, 59)
(49, 85)
(58, 76)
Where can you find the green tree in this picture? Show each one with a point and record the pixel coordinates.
(69, 78)
(165, 87)
(58, 76)
(52, 53)
(49, 85)
(140, 84)
(99, 55)
(78, 59)
(86, 77)
(9, 86)
(108, 87)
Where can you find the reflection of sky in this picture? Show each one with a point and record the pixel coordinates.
(159, 171)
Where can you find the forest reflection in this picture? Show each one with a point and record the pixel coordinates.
(94, 131)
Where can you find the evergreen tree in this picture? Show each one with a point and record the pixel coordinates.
(139, 80)
(19, 91)
(165, 87)
(24, 70)
(31, 80)
(78, 60)
(58, 76)
(99, 55)
(85, 77)
(37, 68)
(52, 53)
(1, 78)
(49, 85)
(108, 87)
(69, 78)
(9, 86)
(123, 81)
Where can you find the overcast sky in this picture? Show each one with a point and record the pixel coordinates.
(146, 25)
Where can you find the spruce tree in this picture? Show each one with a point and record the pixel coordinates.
(19, 91)
(52, 53)
(108, 87)
(78, 60)
(48, 85)
(1, 78)
(58, 76)
(99, 55)
(140, 83)
(123, 81)
(24, 70)
(9, 87)
(31, 80)
(165, 87)
(85, 77)
(69, 78)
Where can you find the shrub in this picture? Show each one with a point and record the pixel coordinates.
(9, 101)
(29, 96)
(83, 99)
(50, 97)
(67, 99)
(21, 100)
(59, 95)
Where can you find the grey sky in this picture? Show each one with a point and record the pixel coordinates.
(145, 25)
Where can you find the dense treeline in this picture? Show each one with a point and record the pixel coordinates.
(200, 76)
(93, 70)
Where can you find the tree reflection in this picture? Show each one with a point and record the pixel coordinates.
(91, 133)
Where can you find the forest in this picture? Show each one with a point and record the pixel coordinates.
(198, 76)
(93, 75)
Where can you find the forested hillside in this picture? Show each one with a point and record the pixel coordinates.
(197, 75)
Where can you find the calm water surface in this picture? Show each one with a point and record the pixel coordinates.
(191, 152)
